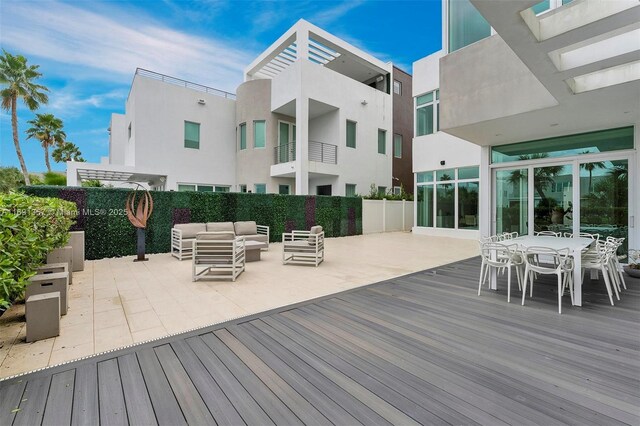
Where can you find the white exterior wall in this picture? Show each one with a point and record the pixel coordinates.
(430, 150)
(117, 138)
(158, 111)
(386, 216)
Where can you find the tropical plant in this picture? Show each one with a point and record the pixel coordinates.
(92, 183)
(19, 82)
(543, 177)
(590, 167)
(55, 179)
(47, 129)
(11, 179)
(68, 151)
(30, 227)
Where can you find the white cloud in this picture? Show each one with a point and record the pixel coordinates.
(112, 41)
(332, 14)
(68, 103)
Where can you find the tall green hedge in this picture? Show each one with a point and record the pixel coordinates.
(108, 232)
(30, 227)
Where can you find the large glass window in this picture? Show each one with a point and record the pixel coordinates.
(511, 196)
(541, 7)
(382, 141)
(466, 25)
(283, 189)
(427, 109)
(243, 136)
(564, 146)
(425, 205)
(186, 187)
(191, 135)
(351, 134)
(397, 146)
(260, 188)
(604, 199)
(259, 134)
(350, 190)
(444, 192)
(205, 188)
(468, 205)
(553, 198)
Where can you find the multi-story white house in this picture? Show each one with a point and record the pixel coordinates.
(314, 116)
(543, 97)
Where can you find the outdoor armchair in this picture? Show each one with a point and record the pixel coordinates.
(303, 247)
(218, 256)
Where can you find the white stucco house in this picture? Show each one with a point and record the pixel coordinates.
(313, 116)
(529, 119)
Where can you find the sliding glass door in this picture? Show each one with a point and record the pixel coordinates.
(553, 198)
(511, 200)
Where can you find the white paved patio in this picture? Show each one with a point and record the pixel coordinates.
(116, 302)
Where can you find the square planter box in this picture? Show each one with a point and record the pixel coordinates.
(76, 240)
(63, 255)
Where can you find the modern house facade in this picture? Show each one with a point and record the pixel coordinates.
(402, 131)
(315, 115)
(548, 93)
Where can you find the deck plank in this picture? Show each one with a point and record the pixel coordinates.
(58, 408)
(113, 410)
(85, 409)
(33, 402)
(10, 397)
(136, 397)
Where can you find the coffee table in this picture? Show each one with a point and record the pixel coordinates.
(252, 250)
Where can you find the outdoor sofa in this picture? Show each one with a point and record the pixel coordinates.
(183, 235)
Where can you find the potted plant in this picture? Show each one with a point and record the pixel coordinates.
(633, 269)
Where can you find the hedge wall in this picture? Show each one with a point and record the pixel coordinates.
(108, 232)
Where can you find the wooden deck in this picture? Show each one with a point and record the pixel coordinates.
(423, 348)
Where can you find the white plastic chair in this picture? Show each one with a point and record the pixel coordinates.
(600, 259)
(501, 257)
(548, 234)
(615, 260)
(562, 267)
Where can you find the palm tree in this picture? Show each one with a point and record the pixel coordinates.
(543, 177)
(19, 79)
(68, 151)
(590, 167)
(48, 130)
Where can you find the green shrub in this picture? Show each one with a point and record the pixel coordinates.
(55, 178)
(108, 232)
(10, 179)
(30, 227)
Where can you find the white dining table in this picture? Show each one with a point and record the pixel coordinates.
(575, 245)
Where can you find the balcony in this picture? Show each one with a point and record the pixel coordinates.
(318, 151)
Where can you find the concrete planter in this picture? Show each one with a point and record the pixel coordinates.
(62, 255)
(632, 272)
(76, 240)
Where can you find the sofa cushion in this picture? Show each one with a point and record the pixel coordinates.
(189, 230)
(246, 228)
(216, 236)
(220, 227)
(314, 230)
(257, 237)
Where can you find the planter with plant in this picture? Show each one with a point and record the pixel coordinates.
(633, 269)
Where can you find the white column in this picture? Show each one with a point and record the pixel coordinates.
(486, 219)
(302, 117)
(72, 174)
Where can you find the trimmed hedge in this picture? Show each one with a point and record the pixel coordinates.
(30, 227)
(108, 232)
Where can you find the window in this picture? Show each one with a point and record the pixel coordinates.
(351, 134)
(259, 134)
(563, 146)
(448, 198)
(397, 87)
(427, 111)
(397, 190)
(350, 190)
(541, 7)
(382, 190)
(283, 189)
(382, 141)
(397, 146)
(466, 25)
(243, 136)
(201, 188)
(191, 135)
(243, 188)
(260, 188)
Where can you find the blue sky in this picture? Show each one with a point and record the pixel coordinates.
(88, 50)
